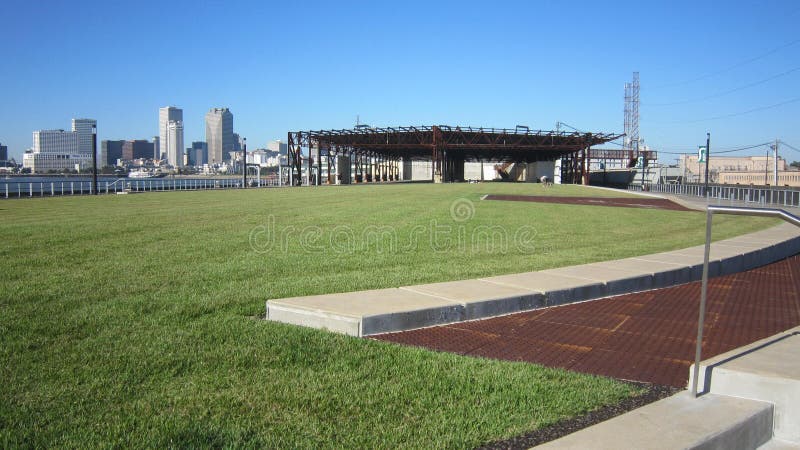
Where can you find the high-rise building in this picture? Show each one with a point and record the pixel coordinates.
(55, 150)
(156, 147)
(84, 128)
(110, 152)
(175, 143)
(165, 115)
(219, 134)
(3, 153)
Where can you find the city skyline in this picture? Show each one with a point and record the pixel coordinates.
(730, 71)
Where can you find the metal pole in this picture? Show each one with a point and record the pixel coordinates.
(708, 156)
(776, 163)
(244, 162)
(94, 160)
(703, 290)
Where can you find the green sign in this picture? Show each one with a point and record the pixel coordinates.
(701, 154)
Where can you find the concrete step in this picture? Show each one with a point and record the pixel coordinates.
(681, 421)
(768, 371)
(777, 444)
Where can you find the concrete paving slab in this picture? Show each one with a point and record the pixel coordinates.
(680, 421)
(557, 289)
(482, 298)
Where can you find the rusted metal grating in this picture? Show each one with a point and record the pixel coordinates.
(623, 202)
(648, 336)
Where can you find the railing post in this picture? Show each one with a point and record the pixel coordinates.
(702, 316)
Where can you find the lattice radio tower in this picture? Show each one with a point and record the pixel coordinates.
(631, 139)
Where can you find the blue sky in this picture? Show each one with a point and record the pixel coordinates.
(315, 65)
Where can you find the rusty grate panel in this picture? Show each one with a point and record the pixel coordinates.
(649, 203)
(648, 336)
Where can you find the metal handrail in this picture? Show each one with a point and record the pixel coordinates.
(739, 211)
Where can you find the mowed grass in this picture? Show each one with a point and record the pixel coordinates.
(135, 320)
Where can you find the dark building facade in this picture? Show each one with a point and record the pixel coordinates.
(198, 154)
(110, 152)
(3, 152)
(137, 149)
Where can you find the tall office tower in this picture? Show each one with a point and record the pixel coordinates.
(84, 129)
(156, 147)
(166, 114)
(175, 143)
(219, 134)
(3, 153)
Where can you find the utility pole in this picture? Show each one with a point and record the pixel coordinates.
(766, 170)
(708, 156)
(775, 172)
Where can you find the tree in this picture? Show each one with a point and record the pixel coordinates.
(795, 164)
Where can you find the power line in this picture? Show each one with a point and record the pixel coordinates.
(720, 94)
(793, 148)
(729, 68)
(723, 150)
(741, 113)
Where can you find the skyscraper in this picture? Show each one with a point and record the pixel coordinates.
(165, 115)
(156, 147)
(219, 134)
(175, 143)
(84, 129)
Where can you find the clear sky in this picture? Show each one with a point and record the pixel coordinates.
(297, 65)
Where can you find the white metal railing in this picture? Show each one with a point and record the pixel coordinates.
(68, 187)
(776, 196)
(711, 210)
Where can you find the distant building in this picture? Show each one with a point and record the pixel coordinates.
(165, 115)
(3, 153)
(85, 129)
(199, 153)
(219, 134)
(278, 147)
(55, 150)
(760, 167)
(110, 152)
(137, 149)
(264, 158)
(175, 143)
(156, 147)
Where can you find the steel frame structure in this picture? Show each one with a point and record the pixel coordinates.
(377, 152)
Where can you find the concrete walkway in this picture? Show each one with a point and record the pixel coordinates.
(365, 313)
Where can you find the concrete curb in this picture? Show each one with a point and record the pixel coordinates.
(409, 307)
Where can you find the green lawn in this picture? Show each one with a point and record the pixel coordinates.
(134, 320)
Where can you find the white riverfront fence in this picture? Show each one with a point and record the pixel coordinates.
(12, 189)
(756, 195)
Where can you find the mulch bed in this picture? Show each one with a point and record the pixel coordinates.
(649, 203)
